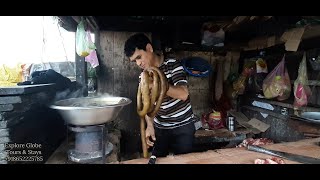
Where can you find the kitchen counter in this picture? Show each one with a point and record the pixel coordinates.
(306, 147)
(26, 118)
(25, 89)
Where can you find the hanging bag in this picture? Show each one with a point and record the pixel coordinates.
(84, 46)
(277, 83)
(301, 89)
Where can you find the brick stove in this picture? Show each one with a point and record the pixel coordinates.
(87, 118)
(91, 144)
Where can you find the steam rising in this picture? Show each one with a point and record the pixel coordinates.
(67, 94)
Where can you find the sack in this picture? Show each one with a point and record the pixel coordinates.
(277, 83)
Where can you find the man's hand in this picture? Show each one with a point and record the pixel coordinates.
(150, 133)
(178, 92)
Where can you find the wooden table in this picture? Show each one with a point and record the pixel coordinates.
(307, 147)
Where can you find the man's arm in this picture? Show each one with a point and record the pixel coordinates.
(179, 89)
(150, 131)
(149, 120)
(178, 92)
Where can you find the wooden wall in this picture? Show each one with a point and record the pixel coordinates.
(118, 77)
(200, 88)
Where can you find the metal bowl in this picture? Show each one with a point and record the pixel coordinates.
(90, 110)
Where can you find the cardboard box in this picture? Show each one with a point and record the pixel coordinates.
(292, 38)
(254, 125)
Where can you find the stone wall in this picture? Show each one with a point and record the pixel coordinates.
(28, 122)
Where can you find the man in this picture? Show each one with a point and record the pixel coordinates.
(173, 126)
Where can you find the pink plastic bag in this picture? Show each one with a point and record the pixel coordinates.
(92, 59)
(301, 89)
(277, 83)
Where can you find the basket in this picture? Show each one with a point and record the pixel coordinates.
(197, 66)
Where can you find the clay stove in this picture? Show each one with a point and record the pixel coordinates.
(87, 118)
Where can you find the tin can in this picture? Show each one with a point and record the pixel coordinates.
(284, 111)
(231, 123)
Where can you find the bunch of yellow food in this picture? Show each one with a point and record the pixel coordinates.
(10, 76)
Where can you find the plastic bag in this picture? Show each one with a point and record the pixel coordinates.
(262, 72)
(84, 46)
(10, 76)
(92, 58)
(212, 35)
(301, 89)
(212, 120)
(239, 85)
(277, 83)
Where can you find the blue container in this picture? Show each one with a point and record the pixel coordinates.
(197, 64)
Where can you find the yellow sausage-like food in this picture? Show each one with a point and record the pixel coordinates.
(145, 101)
(154, 90)
(143, 137)
(139, 105)
(163, 90)
(143, 88)
(142, 124)
(145, 94)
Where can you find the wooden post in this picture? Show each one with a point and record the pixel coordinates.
(81, 74)
(81, 65)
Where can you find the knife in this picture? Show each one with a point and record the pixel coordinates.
(289, 156)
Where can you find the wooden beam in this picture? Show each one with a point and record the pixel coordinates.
(236, 22)
(263, 42)
(76, 18)
(91, 25)
(239, 20)
(68, 23)
(94, 23)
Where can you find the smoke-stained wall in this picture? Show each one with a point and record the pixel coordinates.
(117, 76)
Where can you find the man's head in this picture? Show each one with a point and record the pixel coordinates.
(138, 49)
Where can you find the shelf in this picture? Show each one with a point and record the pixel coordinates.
(269, 112)
(311, 82)
(286, 103)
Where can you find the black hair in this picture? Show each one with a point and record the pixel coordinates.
(137, 41)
